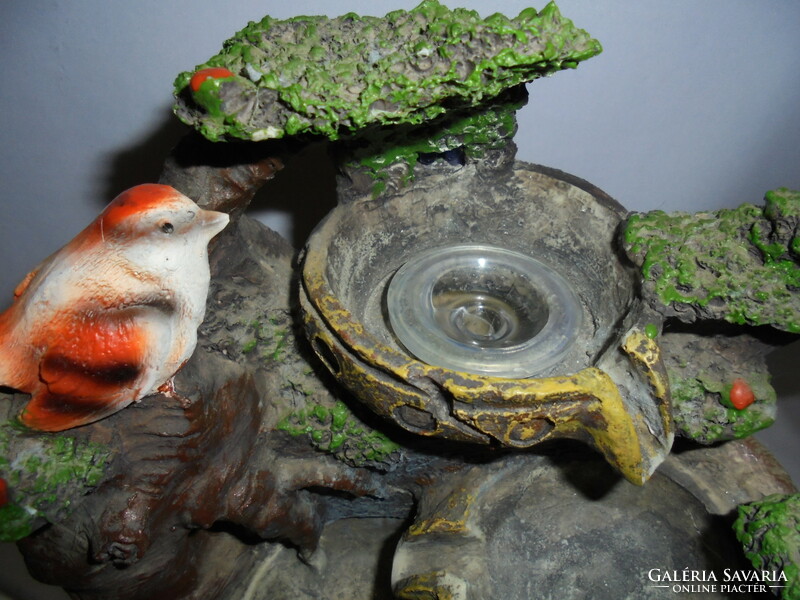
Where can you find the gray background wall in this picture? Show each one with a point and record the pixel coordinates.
(691, 106)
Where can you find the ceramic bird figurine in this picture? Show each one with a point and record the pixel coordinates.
(110, 317)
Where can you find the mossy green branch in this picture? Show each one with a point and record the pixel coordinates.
(769, 531)
(741, 265)
(331, 77)
(44, 476)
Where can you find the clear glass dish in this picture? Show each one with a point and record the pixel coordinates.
(483, 309)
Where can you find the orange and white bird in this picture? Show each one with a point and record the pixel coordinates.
(110, 317)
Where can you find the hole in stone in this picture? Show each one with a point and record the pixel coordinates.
(455, 157)
(415, 418)
(327, 355)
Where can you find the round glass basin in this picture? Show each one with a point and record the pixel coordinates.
(483, 309)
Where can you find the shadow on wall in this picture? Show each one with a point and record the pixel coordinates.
(782, 364)
(300, 195)
(292, 203)
(141, 162)
(781, 437)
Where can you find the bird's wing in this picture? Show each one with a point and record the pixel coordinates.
(94, 365)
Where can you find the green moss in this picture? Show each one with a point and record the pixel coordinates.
(336, 430)
(336, 76)
(740, 263)
(782, 203)
(769, 531)
(208, 96)
(15, 523)
(280, 337)
(267, 336)
(42, 476)
(306, 406)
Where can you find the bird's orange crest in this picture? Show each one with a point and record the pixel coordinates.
(136, 200)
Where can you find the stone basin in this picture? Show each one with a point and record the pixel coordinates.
(608, 387)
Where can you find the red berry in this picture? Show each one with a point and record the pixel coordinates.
(3, 492)
(210, 73)
(741, 395)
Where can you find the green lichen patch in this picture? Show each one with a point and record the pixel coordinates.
(769, 531)
(252, 328)
(741, 265)
(335, 429)
(702, 412)
(268, 336)
(331, 77)
(303, 404)
(44, 475)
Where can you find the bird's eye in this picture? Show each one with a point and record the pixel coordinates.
(167, 228)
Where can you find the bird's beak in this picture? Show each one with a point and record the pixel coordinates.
(212, 221)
